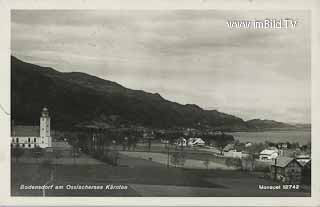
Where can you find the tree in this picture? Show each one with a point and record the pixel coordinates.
(178, 158)
(248, 162)
(149, 144)
(253, 153)
(235, 162)
(221, 141)
(256, 148)
(306, 148)
(239, 146)
(206, 163)
(45, 168)
(124, 143)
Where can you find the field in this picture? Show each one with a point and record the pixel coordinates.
(141, 176)
(191, 160)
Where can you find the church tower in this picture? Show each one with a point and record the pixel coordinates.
(45, 137)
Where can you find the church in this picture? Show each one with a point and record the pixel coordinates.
(33, 136)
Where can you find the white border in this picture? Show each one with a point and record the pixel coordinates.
(7, 5)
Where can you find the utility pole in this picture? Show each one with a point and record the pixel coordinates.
(168, 159)
(275, 169)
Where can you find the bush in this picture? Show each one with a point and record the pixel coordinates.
(234, 162)
(262, 168)
(178, 158)
(111, 158)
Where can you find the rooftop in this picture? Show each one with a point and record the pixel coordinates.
(283, 161)
(25, 131)
(268, 152)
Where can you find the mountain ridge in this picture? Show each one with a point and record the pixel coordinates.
(74, 98)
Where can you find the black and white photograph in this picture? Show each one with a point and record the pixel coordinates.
(160, 103)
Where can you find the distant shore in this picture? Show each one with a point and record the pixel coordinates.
(270, 129)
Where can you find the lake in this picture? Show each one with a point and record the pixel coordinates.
(301, 136)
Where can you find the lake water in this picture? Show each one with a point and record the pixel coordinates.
(303, 136)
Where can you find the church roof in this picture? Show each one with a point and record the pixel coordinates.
(25, 131)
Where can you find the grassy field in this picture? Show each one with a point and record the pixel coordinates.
(192, 160)
(142, 178)
(143, 173)
(34, 174)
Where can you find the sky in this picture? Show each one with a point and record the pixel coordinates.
(187, 56)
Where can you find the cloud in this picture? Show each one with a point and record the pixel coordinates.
(187, 56)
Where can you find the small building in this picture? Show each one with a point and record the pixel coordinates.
(283, 146)
(303, 159)
(286, 169)
(228, 147)
(248, 144)
(306, 171)
(195, 142)
(268, 154)
(182, 142)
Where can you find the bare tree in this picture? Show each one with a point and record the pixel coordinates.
(206, 163)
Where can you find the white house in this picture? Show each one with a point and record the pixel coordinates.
(31, 136)
(268, 154)
(248, 144)
(195, 142)
(182, 142)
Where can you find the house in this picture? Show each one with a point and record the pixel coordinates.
(306, 172)
(303, 159)
(182, 142)
(33, 136)
(148, 134)
(305, 162)
(283, 146)
(248, 144)
(268, 154)
(286, 169)
(228, 147)
(195, 142)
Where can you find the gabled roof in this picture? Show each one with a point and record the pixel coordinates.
(284, 161)
(228, 147)
(305, 162)
(25, 131)
(268, 152)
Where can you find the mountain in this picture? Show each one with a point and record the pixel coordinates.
(79, 99)
(264, 124)
(302, 126)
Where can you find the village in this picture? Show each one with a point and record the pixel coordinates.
(182, 157)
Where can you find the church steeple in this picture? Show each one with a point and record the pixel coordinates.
(45, 112)
(45, 136)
